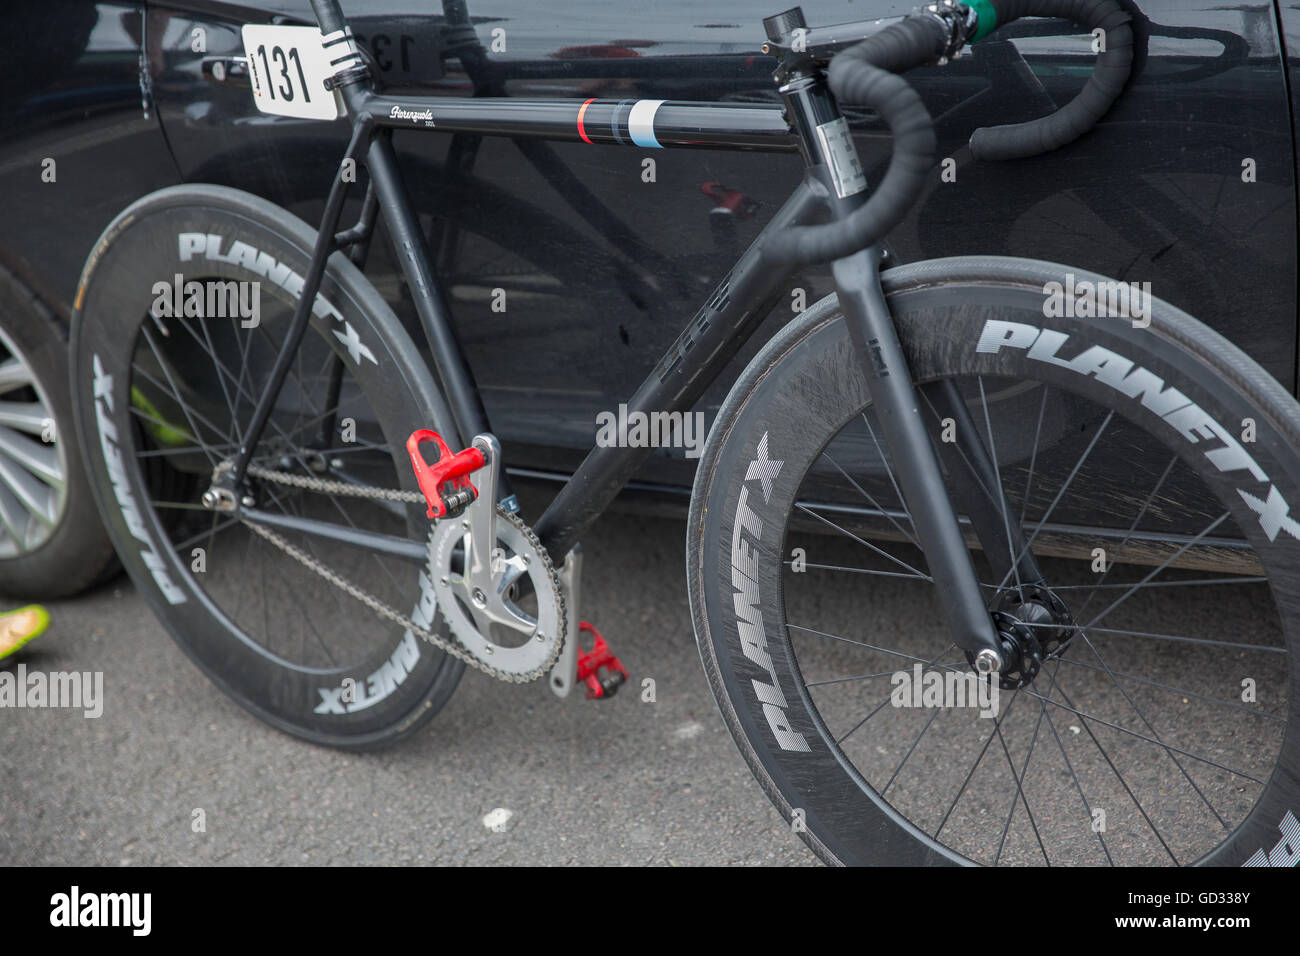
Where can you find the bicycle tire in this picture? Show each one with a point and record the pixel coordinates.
(803, 392)
(157, 402)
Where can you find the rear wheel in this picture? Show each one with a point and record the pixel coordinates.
(161, 398)
(1152, 470)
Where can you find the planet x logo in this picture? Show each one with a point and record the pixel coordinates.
(1287, 850)
(208, 246)
(1180, 412)
(103, 391)
(352, 695)
(746, 536)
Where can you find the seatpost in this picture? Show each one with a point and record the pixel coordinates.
(329, 15)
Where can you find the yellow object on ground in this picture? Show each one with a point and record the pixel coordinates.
(20, 626)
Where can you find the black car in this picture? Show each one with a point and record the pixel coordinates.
(1189, 184)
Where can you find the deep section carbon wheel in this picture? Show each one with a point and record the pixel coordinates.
(1147, 715)
(168, 362)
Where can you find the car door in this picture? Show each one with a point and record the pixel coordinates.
(604, 253)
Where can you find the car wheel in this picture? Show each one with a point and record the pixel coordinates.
(52, 543)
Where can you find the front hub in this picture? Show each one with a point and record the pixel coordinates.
(1033, 626)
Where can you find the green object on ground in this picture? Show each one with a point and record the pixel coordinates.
(19, 626)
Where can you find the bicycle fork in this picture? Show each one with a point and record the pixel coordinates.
(896, 403)
(831, 166)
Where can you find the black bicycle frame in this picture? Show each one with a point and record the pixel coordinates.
(710, 339)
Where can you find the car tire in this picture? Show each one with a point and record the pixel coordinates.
(68, 551)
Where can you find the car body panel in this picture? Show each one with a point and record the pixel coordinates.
(1155, 194)
(79, 138)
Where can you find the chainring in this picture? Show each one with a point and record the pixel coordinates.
(518, 555)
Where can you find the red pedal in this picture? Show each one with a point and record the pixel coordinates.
(599, 668)
(445, 484)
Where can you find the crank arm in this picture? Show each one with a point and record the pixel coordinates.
(565, 672)
(487, 575)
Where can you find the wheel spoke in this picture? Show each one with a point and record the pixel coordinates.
(1210, 642)
(1150, 727)
(1057, 500)
(1134, 733)
(1177, 691)
(1019, 794)
(1000, 494)
(849, 534)
(1054, 686)
(885, 574)
(915, 743)
(875, 504)
(1129, 534)
(1074, 777)
(879, 707)
(1168, 561)
(1033, 457)
(997, 724)
(889, 470)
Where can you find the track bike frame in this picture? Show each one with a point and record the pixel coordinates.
(708, 341)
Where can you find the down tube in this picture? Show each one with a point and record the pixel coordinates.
(738, 303)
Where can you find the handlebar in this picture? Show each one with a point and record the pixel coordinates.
(867, 75)
(1082, 113)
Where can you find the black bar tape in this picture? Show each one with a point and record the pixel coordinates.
(864, 75)
(1078, 116)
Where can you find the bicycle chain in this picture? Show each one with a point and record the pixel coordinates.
(334, 487)
(379, 607)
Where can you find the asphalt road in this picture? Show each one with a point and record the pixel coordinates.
(617, 782)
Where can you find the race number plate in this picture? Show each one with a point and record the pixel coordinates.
(289, 67)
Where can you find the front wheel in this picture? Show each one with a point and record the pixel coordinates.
(1152, 468)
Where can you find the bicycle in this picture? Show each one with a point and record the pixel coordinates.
(1136, 452)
